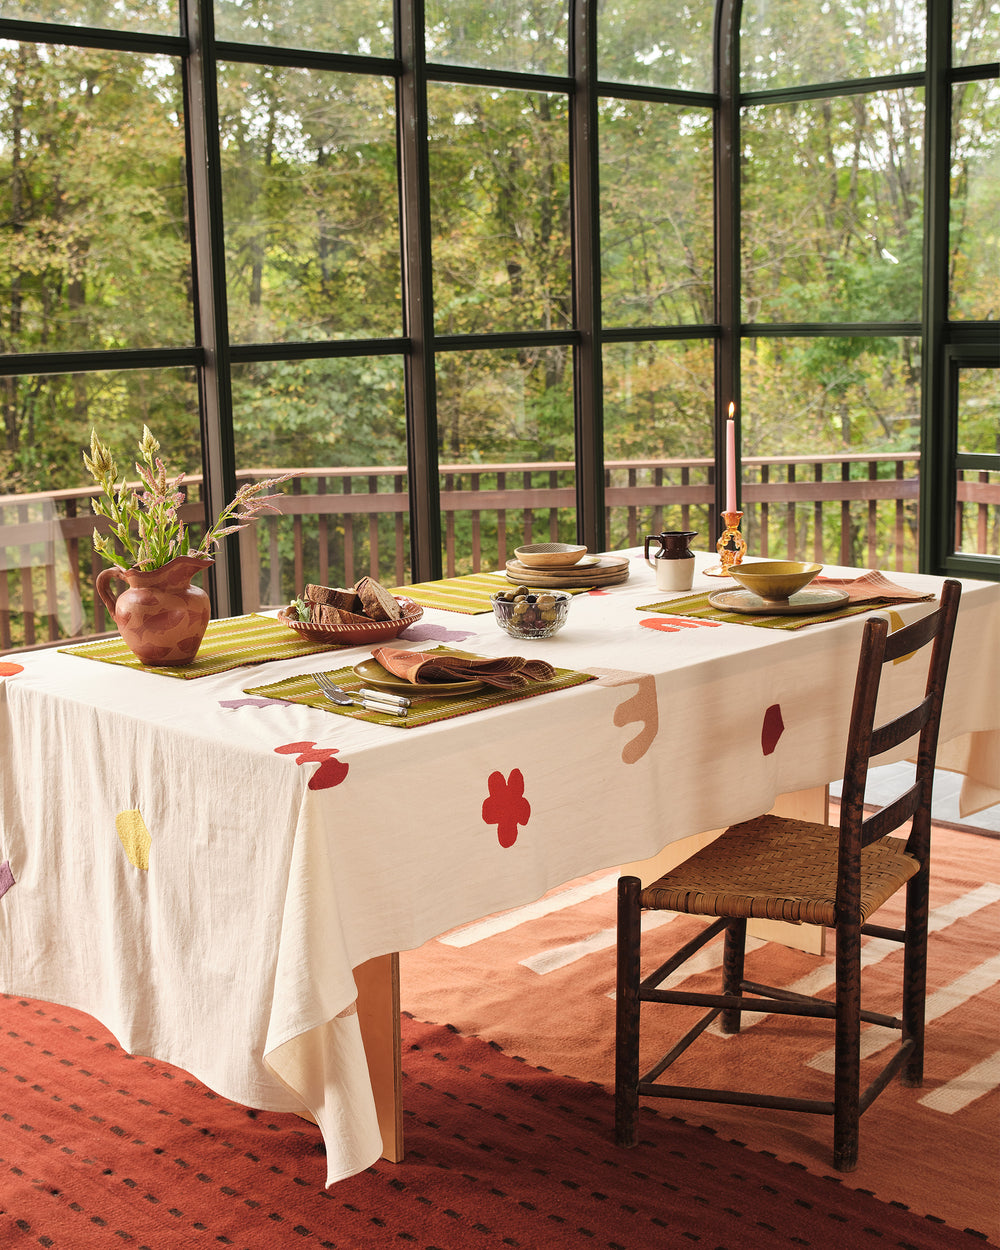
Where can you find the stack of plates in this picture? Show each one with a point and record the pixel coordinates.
(589, 572)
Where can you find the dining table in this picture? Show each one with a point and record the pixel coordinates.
(211, 862)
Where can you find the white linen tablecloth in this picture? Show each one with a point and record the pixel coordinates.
(202, 870)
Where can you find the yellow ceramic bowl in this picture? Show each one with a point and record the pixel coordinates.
(775, 581)
(550, 555)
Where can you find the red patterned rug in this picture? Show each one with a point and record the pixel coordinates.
(99, 1149)
(539, 982)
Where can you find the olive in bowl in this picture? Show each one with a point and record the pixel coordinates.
(526, 613)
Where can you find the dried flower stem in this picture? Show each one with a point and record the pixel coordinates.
(146, 523)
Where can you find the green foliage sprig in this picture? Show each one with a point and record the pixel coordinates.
(145, 522)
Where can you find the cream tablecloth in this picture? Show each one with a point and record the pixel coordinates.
(201, 870)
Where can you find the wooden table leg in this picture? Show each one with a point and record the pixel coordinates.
(378, 1014)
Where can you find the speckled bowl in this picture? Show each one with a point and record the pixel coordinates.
(775, 581)
(550, 555)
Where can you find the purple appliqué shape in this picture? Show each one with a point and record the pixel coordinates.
(434, 633)
(235, 703)
(6, 877)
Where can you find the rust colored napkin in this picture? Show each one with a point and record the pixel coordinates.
(424, 668)
(873, 587)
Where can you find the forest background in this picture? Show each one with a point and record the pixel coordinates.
(95, 213)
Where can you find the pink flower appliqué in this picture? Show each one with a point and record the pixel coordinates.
(506, 807)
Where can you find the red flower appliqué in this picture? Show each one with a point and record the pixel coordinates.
(506, 807)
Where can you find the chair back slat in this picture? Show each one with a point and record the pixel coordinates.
(911, 637)
(890, 817)
(895, 731)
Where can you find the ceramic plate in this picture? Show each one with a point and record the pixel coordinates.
(373, 674)
(591, 571)
(799, 604)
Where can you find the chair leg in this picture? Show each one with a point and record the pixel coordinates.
(847, 1076)
(732, 971)
(627, 1013)
(915, 975)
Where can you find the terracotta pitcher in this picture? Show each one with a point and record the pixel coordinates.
(674, 562)
(161, 617)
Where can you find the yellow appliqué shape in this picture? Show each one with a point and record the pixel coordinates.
(135, 837)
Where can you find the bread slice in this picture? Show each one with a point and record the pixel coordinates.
(333, 596)
(377, 602)
(325, 614)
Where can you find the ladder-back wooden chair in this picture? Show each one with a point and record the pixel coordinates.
(777, 868)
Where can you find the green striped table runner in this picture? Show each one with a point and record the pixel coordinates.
(303, 689)
(698, 606)
(229, 643)
(469, 594)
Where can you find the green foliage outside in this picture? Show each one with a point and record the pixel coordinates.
(98, 254)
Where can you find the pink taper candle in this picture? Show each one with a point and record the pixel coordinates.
(731, 459)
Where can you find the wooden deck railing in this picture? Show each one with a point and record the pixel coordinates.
(338, 523)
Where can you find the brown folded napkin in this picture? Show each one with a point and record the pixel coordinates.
(425, 668)
(873, 587)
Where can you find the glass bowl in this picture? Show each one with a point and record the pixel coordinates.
(531, 613)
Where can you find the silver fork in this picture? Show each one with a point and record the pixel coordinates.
(371, 700)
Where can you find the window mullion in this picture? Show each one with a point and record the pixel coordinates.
(418, 295)
(727, 237)
(584, 192)
(211, 307)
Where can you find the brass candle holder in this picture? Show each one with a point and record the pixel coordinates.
(732, 546)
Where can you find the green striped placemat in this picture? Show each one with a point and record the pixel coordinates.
(303, 689)
(698, 606)
(469, 594)
(229, 643)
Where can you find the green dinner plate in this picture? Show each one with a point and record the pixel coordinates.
(373, 674)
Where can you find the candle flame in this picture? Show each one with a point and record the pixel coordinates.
(732, 411)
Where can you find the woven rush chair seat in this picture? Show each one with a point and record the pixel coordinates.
(775, 868)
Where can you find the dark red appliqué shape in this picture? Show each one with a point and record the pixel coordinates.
(506, 807)
(771, 729)
(331, 772)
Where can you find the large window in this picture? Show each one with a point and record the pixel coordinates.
(498, 276)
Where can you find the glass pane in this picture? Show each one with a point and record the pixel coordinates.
(975, 201)
(499, 173)
(310, 204)
(161, 17)
(505, 35)
(505, 424)
(839, 41)
(657, 262)
(339, 427)
(93, 211)
(658, 409)
(655, 44)
(47, 562)
(977, 519)
(361, 27)
(833, 209)
(830, 433)
(979, 411)
(975, 32)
